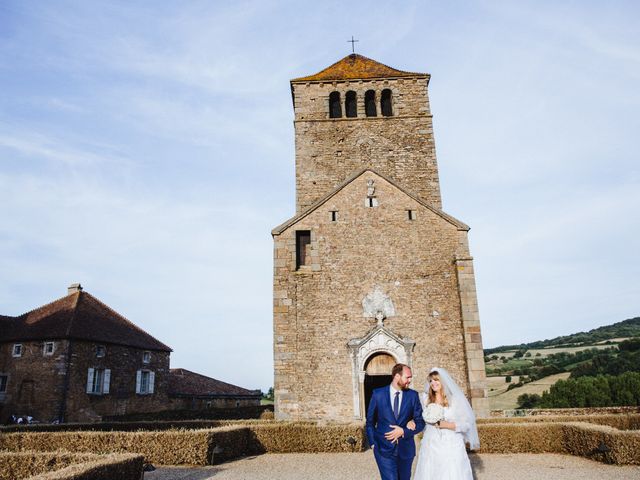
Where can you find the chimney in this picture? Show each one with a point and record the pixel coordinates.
(73, 288)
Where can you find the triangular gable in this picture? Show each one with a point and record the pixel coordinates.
(282, 227)
(356, 66)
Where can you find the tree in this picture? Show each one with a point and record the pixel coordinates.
(507, 379)
(528, 400)
(268, 395)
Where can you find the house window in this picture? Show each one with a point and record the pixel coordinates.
(335, 109)
(3, 383)
(385, 103)
(101, 351)
(49, 348)
(334, 215)
(98, 380)
(17, 350)
(350, 104)
(370, 103)
(303, 247)
(371, 202)
(144, 382)
(146, 357)
(411, 214)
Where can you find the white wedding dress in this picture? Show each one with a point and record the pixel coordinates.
(443, 455)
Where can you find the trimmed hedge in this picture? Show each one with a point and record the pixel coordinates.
(619, 421)
(137, 426)
(198, 447)
(602, 443)
(173, 447)
(520, 438)
(69, 466)
(306, 438)
(597, 442)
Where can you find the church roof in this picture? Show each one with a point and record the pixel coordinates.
(356, 66)
(281, 228)
(183, 382)
(78, 316)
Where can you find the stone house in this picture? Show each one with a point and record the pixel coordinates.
(193, 391)
(78, 360)
(370, 271)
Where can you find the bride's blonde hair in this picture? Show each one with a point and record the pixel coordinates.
(432, 395)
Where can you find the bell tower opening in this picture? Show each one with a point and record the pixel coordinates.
(377, 374)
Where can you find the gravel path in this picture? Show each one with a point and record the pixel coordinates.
(361, 466)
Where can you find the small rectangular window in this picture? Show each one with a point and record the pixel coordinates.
(411, 214)
(17, 350)
(3, 383)
(303, 247)
(98, 381)
(49, 348)
(146, 357)
(371, 202)
(144, 382)
(101, 351)
(334, 215)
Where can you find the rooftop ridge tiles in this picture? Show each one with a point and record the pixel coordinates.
(356, 66)
(73, 315)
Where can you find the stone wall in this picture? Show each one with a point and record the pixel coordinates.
(123, 362)
(318, 308)
(401, 147)
(37, 382)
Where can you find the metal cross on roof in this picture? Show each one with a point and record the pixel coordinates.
(353, 44)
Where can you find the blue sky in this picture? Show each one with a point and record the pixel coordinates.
(146, 151)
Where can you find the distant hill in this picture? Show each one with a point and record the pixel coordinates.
(626, 328)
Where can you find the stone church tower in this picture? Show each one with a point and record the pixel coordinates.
(370, 271)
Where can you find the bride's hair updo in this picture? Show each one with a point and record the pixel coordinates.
(432, 395)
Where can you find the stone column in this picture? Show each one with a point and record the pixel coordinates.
(472, 338)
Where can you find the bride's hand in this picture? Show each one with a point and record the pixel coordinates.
(446, 425)
(411, 425)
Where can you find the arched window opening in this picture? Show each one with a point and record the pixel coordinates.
(385, 103)
(350, 104)
(335, 109)
(370, 103)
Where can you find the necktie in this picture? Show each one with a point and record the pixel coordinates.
(396, 404)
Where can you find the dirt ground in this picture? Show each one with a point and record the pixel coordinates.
(361, 466)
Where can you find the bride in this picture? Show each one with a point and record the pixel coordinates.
(450, 423)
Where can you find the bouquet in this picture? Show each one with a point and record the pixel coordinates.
(433, 413)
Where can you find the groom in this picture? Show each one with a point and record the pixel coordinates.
(389, 411)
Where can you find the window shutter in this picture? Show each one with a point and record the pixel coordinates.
(152, 378)
(90, 381)
(138, 380)
(107, 381)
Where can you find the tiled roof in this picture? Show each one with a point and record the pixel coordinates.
(186, 382)
(78, 316)
(356, 66)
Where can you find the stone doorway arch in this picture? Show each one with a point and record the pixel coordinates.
(363, 350)
(377, 374)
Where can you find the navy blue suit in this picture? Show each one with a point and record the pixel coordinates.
(394, 459)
